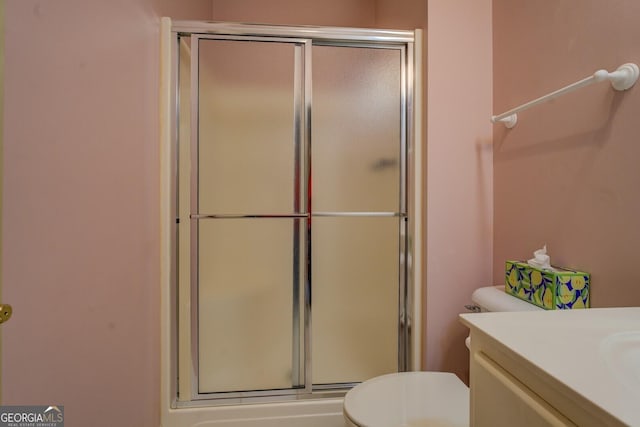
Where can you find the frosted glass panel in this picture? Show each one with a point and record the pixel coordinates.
(355, 298)
(246, 127)
(356, 129)
(245, 304)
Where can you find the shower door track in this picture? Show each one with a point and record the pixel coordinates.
(188, 391)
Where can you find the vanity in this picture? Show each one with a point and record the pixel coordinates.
(555, 368)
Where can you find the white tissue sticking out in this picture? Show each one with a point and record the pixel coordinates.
(541, 259)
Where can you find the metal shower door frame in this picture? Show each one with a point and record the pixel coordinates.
(303, 38)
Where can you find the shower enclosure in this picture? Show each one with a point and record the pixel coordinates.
(294, 210)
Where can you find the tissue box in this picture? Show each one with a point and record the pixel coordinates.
(551, 290)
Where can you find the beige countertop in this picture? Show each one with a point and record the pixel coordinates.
(594, 352)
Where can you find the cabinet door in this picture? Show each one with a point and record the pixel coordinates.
(498, 399)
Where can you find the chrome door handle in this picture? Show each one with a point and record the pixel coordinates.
(5, 313)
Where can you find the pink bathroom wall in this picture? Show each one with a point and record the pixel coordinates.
(337, 13)
(459, 173)
(567, 175)
(401, 14)
(80, 209)
(80, 203)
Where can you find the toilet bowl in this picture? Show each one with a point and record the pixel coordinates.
(422, 399)
(411, 399)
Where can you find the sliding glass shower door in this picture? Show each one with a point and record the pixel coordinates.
(357, 163)
(248, 221)
(295, 153)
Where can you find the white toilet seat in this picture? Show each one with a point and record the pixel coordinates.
(409, 399)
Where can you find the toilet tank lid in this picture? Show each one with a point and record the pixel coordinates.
(494, 298)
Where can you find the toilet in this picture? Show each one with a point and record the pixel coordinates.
(422, 399)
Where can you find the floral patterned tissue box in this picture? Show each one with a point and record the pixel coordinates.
(559, 288)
